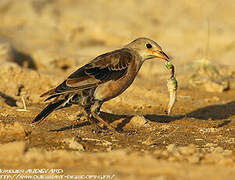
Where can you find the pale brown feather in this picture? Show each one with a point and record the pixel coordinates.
(106, 67)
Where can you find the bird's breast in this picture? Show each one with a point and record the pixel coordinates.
(111, 89)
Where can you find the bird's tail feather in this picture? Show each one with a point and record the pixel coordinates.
(48, 109)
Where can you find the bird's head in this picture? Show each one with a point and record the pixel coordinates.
(147, 49)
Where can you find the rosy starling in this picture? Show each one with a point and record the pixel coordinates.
(103, 78)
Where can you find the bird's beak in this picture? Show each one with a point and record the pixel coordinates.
(160, 54)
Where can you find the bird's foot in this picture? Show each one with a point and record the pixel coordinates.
(99, 130)
(104, 123)
(102, 129)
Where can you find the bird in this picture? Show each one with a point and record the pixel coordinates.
(103, 78)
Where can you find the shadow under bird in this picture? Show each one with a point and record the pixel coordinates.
(102, 79)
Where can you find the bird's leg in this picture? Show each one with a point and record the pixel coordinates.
(95, 110)
(89, 115)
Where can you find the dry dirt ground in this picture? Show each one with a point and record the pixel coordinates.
(43, 41)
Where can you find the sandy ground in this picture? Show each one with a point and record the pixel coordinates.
(43, 41)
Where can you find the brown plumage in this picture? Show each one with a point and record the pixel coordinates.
(102, 79)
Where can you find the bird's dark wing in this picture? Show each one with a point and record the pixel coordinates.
(106, 67)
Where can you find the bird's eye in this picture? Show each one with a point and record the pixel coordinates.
(148, 46)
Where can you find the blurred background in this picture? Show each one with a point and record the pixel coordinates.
(183, 28)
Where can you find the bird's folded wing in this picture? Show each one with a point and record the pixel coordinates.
(106, 67)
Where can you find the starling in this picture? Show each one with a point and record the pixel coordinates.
(103, 78)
